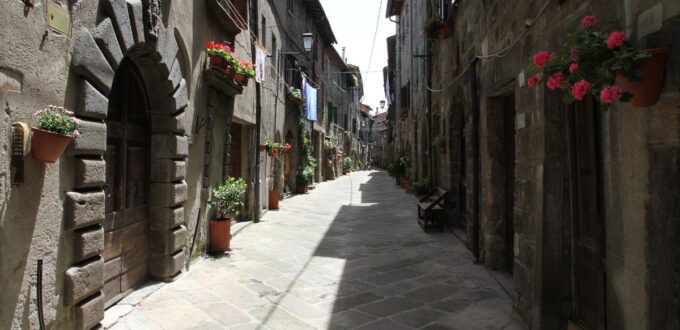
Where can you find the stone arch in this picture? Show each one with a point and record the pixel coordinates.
(124, 32)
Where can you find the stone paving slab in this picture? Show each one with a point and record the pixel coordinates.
(348, 255)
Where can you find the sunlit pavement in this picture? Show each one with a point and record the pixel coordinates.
(347, 255)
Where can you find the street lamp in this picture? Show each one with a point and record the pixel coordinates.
(307, 42)
(382, 104)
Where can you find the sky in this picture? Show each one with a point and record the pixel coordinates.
(354, 24)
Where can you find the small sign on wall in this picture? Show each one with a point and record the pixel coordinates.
(58, 18)
(20, 136)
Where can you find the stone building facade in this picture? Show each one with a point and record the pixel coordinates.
(159, 130)
(577, 204)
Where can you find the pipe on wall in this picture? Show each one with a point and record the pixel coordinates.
(476, 159)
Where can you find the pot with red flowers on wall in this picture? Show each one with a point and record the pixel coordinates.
(54, 130)
(275, 150)
(228, 199)
(600, 60)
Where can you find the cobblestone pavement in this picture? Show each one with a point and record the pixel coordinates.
(348, 255)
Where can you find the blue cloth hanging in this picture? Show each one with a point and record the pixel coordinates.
(310, 101)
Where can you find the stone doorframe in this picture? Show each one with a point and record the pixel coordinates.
(124, 31)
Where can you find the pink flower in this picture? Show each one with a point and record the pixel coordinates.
(574, 54)
(533, 81)
(580, 89)
(555, 81)
(589, 21)
(616, 39)
(542, 58)
(573, 67)
(610, 94)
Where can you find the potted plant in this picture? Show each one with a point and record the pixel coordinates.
(294, 95)
(601, 61)
(54, 130)
(396, 170)
(422, 187)
(220, 55)
(274, 150)
(432, 27)
(346, 165)
(305, 171)
(360, 165)
(244, 71)
(228, 199)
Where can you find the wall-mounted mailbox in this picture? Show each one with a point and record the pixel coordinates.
(20, 136)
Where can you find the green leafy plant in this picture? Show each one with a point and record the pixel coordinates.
(431, 27)
(422, 187)
(229, 197)
(329, 144)
(589, 64)
(305, 171)
(58, 120)
(221, 50)
(396, 168)
(275, 149)
(295, 92)
(347, 163)
(360, 165)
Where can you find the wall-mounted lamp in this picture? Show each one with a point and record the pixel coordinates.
(382, 104)
(307, 42)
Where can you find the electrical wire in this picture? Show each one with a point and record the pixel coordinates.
(490, 57)
(375, 36)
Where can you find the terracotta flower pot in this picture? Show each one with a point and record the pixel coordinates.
(217, 62)
(274, 196)
(407, 185)
(238, 77)
(301, 189)
(646, 92)
(47, 146)
(243, 80)
(229, 72)
(220, 235)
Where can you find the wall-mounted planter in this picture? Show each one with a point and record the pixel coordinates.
(47, 146)
(646, 92)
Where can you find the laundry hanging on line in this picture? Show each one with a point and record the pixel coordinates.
(310, 100)
(260, 65)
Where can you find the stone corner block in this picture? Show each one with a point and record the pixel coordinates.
(90, 62)
(82, 210)
(91, 103)
(105, 36)
(92, 139)
(169, 146)
(167, 170)
(164, 123)
(82, 281)
(168, 241)
(166, 218)
(88, 242)
(90, 173)
(164, 266)
(119, 10)
(168, 194)
(90, 312)
(136, 9)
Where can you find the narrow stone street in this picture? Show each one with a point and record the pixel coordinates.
(347, 255)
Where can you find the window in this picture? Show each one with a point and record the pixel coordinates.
(263, 32)
(274, 52)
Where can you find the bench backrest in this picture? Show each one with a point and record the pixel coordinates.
(436, 197)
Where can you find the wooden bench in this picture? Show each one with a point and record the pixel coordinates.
(431, 209)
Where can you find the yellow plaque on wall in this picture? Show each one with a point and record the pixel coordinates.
(58, 18)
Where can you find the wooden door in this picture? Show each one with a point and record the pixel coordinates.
(509, 168)
(587, 227)
(127, 176)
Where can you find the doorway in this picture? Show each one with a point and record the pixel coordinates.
(126, 225)
(588, 249)
(509, 184)
(235, 150)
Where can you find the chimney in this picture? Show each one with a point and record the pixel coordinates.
(343, 54)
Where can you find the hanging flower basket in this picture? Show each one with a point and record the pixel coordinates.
(47, 146)
(646, 92)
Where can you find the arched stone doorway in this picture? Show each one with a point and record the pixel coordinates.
(129, 41)
(126, 224)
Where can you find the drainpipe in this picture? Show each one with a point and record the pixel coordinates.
(476, 160)
(430, 149)
(258, 116)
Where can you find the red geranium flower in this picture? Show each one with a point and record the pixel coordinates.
(610, 94)
(616, 39)
(580, 89)
(555, 81)
(542, 58)
(533, 81)
(573, 67)
(589, 21)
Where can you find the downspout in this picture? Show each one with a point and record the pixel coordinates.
(476, 161)
(430, 149)
(258, 117)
